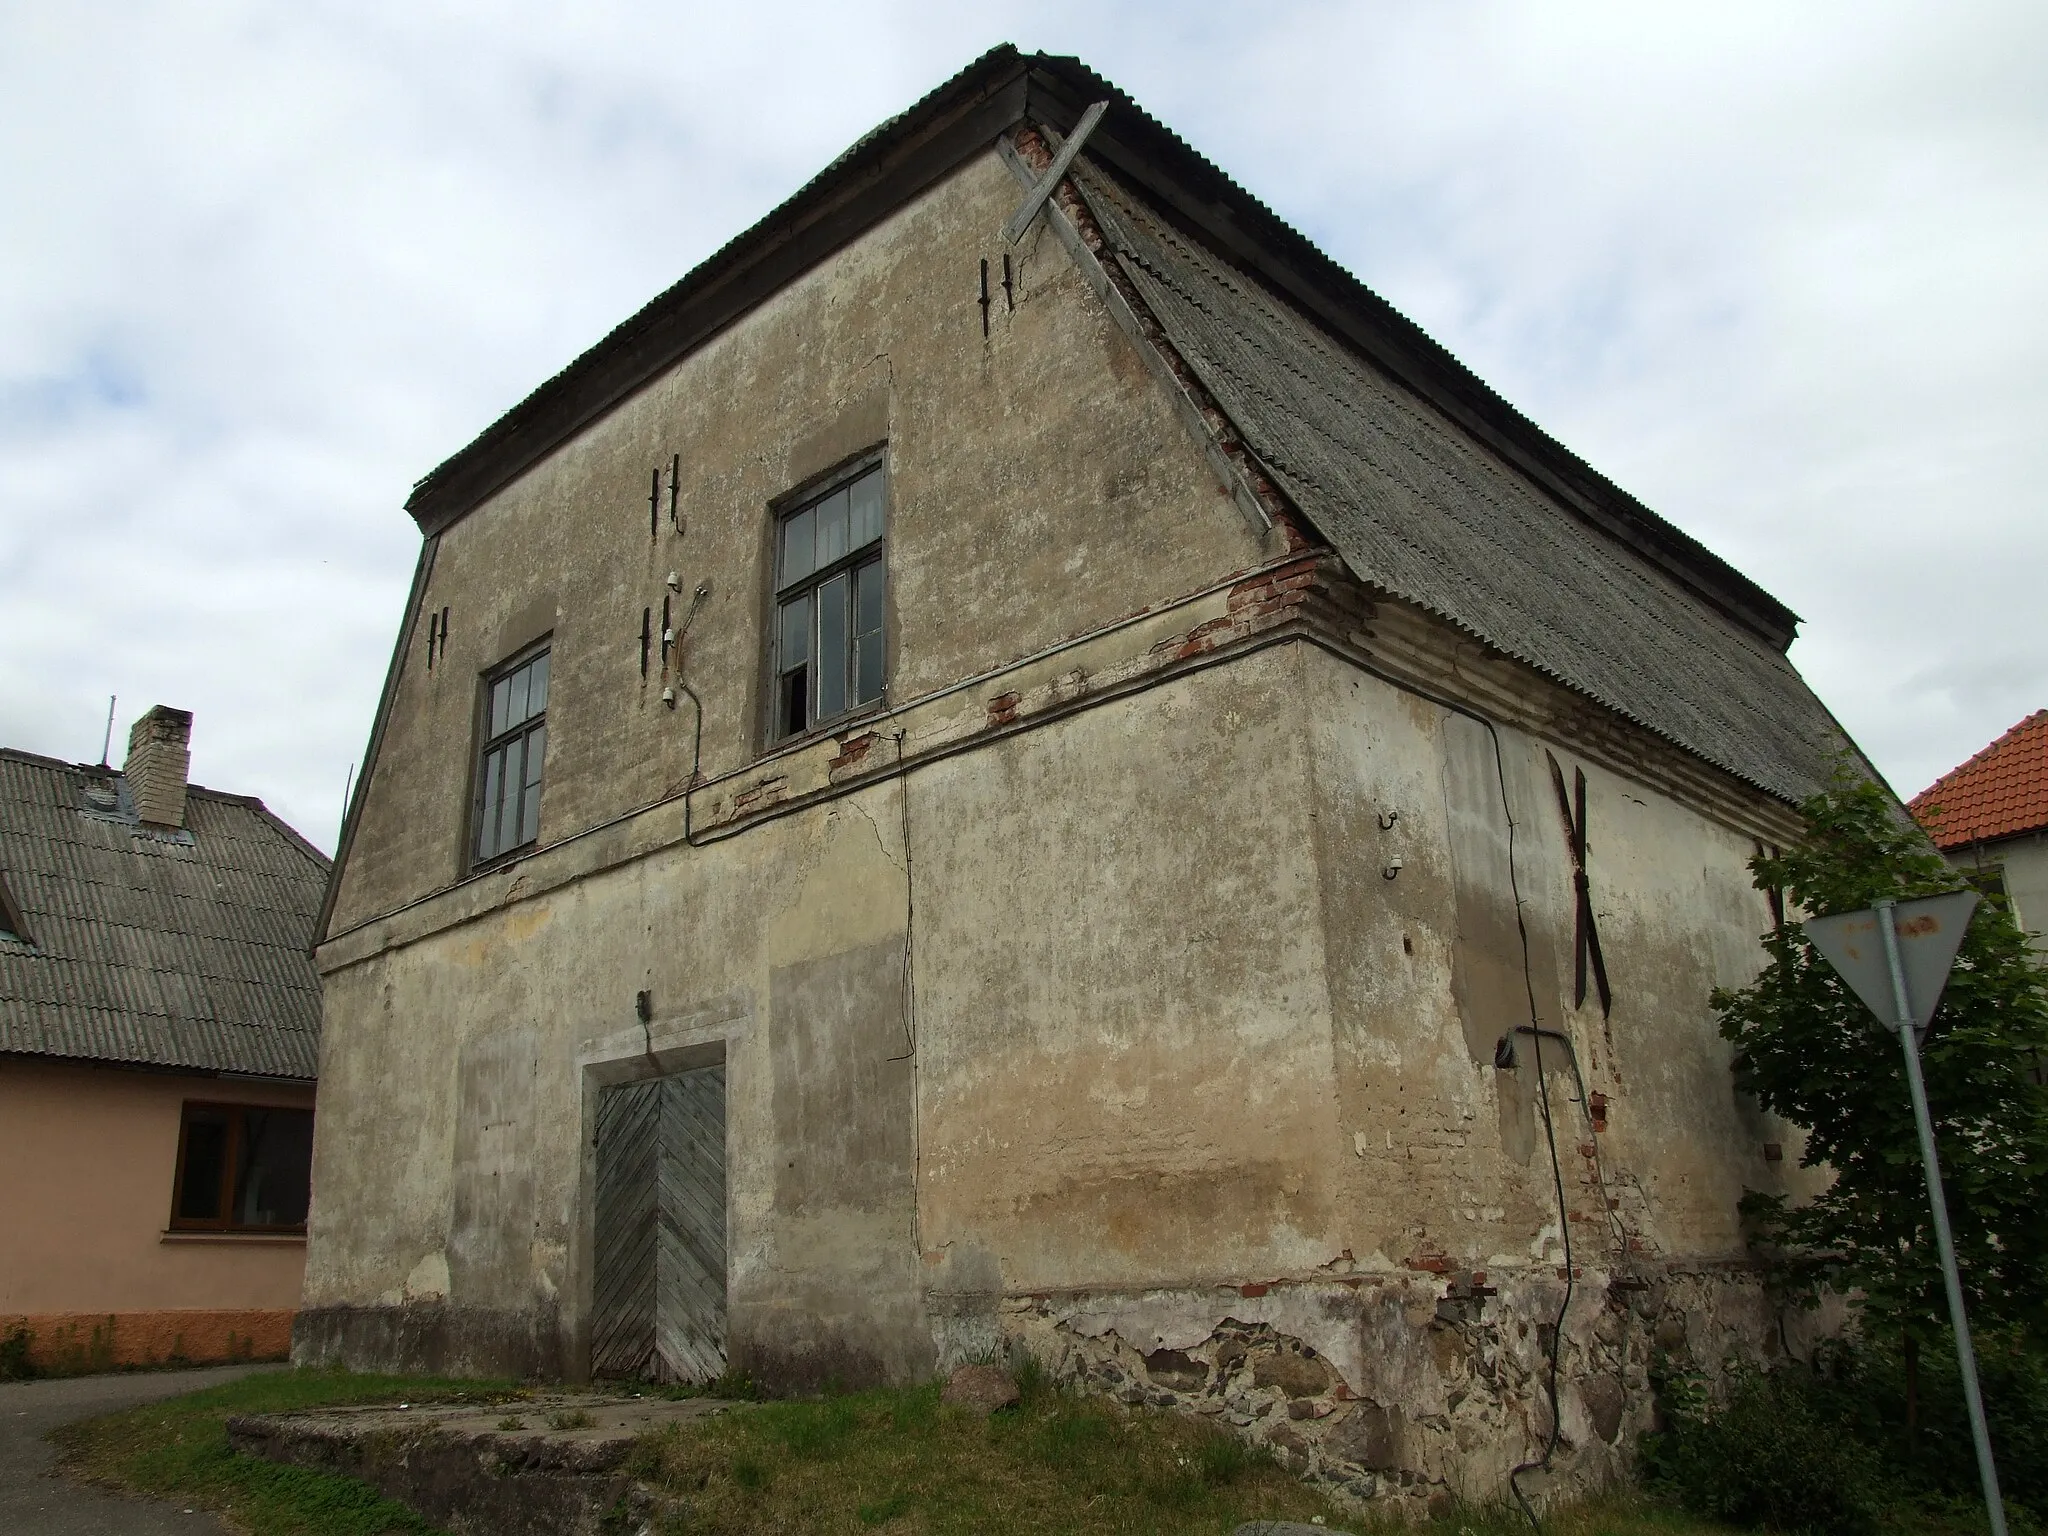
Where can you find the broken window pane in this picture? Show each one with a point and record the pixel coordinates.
(794, 712)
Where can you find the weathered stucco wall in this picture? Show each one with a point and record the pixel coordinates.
(1183, 1067)
(460, 1059)
(1038, 485)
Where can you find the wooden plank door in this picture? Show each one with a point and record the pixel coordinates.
(689, 1286)
(658, 1293)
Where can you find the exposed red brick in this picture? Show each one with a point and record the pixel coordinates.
(851, 752)
(767, 792)
(1254, 1288)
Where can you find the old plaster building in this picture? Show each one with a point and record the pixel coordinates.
(159, 1033)
(938, 790)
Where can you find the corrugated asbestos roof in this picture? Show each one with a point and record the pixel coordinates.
(1420, 510)
(153, 947)
(2001, 792)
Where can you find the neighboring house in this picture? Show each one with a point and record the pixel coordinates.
(159, 1035)
(937, 793)
(1990, 818)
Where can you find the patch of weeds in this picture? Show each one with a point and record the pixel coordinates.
(15, 1363)
(813, 1431)
(511, 1422)
(1768, 1457)
(1034, 1382)
(731, 1387)
(884, 1510)
(1222, 1459)
(571, 1418)
(1056, 1463)
(916, 1409)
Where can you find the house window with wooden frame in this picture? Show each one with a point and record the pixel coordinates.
(830, 582)
(243, 1168)
(506, 810)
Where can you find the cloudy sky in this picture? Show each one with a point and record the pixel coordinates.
(1780, 270)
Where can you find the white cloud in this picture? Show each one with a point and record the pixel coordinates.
(1774, 269)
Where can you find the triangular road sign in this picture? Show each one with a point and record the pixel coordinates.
(1930, 930)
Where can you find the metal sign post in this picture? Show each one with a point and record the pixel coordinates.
(1901, 975)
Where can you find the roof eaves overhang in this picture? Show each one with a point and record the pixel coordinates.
(850, 196)
(961, 119)
(1186, 187)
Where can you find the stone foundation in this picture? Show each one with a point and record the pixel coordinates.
(431, 1338)
(1409, 1390)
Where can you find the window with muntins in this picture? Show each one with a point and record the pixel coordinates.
(829, 576)
(508, 769)
(243, 1168)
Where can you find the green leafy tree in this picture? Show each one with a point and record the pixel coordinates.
(1811, 1053)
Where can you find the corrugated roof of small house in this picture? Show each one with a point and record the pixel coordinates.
(153, 946)
(2001, 792)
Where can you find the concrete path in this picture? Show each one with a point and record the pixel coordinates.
(34, 1502)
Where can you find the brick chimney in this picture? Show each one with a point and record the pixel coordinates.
(159, 758)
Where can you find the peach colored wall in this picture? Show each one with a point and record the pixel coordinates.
(87, 1157)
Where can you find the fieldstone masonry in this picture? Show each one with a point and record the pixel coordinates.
(1417, 1391)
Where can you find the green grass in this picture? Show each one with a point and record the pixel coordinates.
(901, 1462)
(894, 1461)
(178, 1449)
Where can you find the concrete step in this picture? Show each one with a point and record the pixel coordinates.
(542, 1465)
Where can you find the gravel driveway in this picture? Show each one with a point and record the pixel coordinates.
(33, 1502)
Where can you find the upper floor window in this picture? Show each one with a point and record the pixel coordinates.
(829, 576)
(508, 768)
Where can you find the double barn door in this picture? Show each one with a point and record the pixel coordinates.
(658, 1297)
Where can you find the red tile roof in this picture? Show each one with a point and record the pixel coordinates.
(2001, 792)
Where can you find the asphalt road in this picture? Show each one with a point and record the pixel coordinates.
(35, 1502)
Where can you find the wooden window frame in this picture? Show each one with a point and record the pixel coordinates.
(785, 590)
(230, 1163)
(487, 744)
